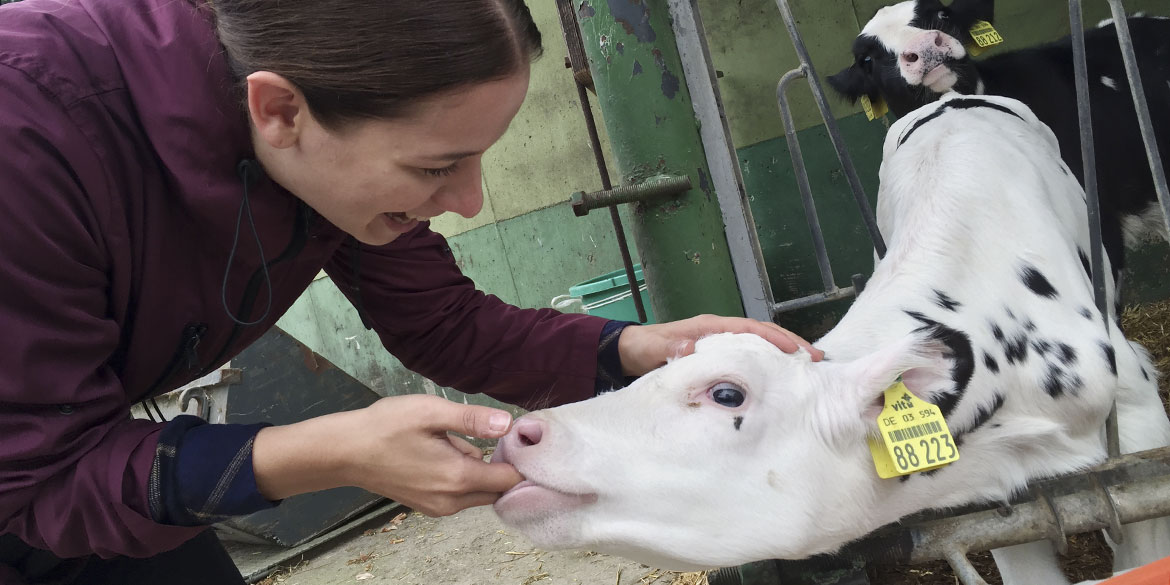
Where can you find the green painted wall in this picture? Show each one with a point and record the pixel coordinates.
(545, 155)
(526, 261)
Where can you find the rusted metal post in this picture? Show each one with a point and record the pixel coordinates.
(646, 104)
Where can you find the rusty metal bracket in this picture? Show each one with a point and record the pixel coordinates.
(658, 187)
(197, 390)
(1114, 519)
(1056, 533)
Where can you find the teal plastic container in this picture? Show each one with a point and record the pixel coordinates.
(609, 296)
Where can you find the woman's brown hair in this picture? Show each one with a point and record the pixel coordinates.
(362, 59)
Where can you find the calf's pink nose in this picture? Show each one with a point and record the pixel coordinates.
(528, 431)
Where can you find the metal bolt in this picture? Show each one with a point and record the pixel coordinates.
(653, 188)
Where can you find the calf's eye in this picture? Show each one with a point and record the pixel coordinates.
(942, 15)
(727, 394)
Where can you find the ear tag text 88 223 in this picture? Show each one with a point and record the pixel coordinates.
(914, 436)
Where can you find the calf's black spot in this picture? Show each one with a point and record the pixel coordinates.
(1111, 358)
(996, 332)
(1086, 313)
(946, 302)
(1037, 282)
(738, 422)
(1067, 354)
(990, 362)
(1015, 350)
(1058, 381)
(959, 350)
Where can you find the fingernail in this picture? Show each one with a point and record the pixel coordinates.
(499, 422)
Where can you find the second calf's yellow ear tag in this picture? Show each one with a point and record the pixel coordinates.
(914, 436)
(984, 36)
(874, 109)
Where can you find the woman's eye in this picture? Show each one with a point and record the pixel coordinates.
(443, 172)
(727, 394)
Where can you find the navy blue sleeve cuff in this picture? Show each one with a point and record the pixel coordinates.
(609, 361)
(202, 473)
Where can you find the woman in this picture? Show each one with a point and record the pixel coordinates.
(175, 174)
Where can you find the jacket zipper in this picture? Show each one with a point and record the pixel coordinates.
(186, 356)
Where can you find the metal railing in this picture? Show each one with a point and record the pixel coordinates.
(807, 71)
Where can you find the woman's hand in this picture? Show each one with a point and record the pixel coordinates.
(398, 447)
(646, 347)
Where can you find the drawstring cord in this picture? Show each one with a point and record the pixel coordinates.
(249, 171)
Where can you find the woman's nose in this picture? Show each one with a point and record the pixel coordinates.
(464, 195)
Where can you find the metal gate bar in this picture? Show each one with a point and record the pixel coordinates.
(1142, 108)
(814, 83)
(1092, 202)
(578, 64)
(1128, 489)
(831, 292)
(747, 259)
(1149, 140)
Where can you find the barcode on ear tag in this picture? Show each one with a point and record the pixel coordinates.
(914, 436)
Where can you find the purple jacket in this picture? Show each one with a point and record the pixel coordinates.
(119, 143)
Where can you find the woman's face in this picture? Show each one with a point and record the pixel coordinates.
(376, 179)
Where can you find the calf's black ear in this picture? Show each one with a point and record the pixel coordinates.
(849, 83)
(969, 11)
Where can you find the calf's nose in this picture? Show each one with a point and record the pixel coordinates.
(525, 432)
(529, 431)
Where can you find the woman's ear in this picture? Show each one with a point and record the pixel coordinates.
(277, 109)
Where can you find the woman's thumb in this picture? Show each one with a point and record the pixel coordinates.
(479, 421)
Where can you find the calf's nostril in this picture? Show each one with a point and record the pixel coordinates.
(529, 432)
(910, 57)
(938, 42)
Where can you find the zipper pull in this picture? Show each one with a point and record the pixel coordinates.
(194, 334)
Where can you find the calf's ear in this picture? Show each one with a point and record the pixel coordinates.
(919, 360)
(849, 83)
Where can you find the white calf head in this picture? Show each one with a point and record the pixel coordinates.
(735, 453)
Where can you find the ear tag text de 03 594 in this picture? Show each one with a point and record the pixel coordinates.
(874, 109)
(984, 36)
(914, 436)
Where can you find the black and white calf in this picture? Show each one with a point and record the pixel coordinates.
(912, 52)
(982, 305)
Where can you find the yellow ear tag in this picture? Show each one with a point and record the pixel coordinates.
(873, 109)
(984, 35)
(914, 436)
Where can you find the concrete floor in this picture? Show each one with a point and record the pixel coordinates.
(469, 548)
